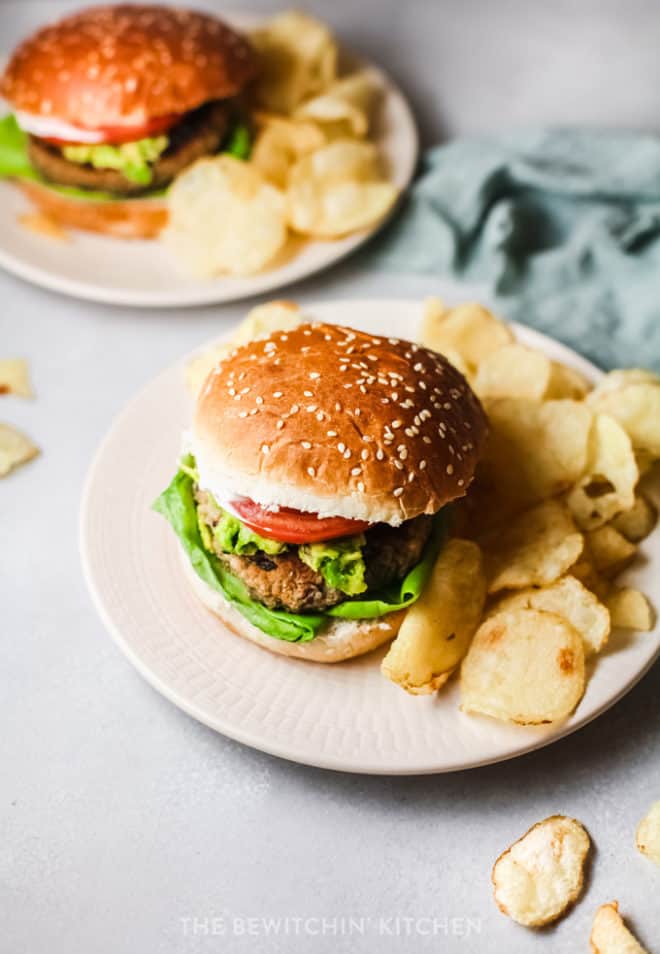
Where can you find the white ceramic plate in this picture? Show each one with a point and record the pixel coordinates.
(143, 273)
(346, 716)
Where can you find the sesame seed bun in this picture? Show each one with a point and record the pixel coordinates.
(127, 218)
(341, 639)
(123, 65)
(340, 423)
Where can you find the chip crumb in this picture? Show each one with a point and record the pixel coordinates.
(15, 377)
(42, 224)
(648, 834)
(15, 449)
(609, 935)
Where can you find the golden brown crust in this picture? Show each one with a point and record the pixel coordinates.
(341, 421)
(124, 64)
(129, 219)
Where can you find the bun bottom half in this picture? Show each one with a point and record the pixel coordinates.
(341, 639)
(123, 218)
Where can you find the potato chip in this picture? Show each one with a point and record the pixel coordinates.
(15, 449)
(609, 935)
(225, 218)
(260, 322)
(513, 371)
(565, 382)
(343, 109)
(437, 630)
(636, 524)
(279, 143)
(337, 190)
(633, 398)
(469, 329)
(524, 666)
(541, 875)
(571, 600)
(15, 377)
(609, 550)
(536, 449)
(534, 550)
(297, 59)
(648, 834)
(607, 486)
(630, 609)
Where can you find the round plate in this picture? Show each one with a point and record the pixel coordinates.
(345, 716)
(143, 273)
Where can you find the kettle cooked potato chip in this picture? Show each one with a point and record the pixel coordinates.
(524, 666)
(437, 630)
(541, 875)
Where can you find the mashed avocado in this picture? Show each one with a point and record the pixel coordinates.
(132, 159)
(340, 563)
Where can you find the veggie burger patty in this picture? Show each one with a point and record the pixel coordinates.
(200, 133)
(284, 581)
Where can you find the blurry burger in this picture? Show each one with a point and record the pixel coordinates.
(310, 499)
(111, 103)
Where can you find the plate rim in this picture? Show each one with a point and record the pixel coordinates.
(246, 737)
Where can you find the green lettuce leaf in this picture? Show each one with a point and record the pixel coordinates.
(14, 159)
(132, 159)
(177, 505)
(238, 142)
(340, 563)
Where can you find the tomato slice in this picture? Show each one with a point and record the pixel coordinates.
(115, 135)
(294, 526)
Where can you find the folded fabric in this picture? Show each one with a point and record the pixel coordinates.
(562, 227)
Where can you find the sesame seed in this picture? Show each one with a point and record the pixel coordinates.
(265, 449)
(461, 482)
(280, 424)
(422, 465)
(450, 469)
(397, 464)
(310, 408)
(308, 393)
(314, 374)
(347, 453)
(294, 409)
(332, 433)
(231, 391)
(365, 454)
(311, 472)
(277, 394)
(306, 445)
(259, 399)
(243, 414)
(426, 439)
(411, 477)
(396, 424)
(341, 447)
(356, 471)
(360, 486)
(398, 491)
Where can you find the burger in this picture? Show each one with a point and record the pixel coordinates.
(113, 102)
(311, 497)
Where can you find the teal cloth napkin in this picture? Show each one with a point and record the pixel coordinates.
(561, 226)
